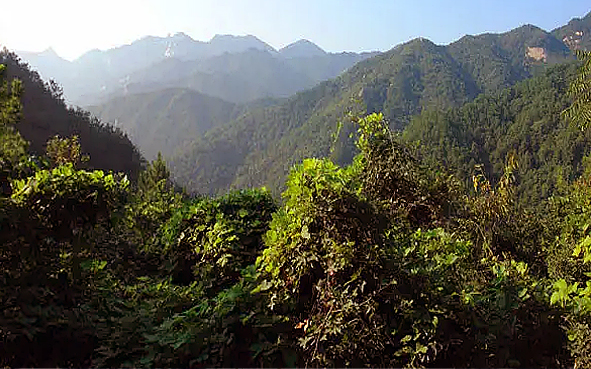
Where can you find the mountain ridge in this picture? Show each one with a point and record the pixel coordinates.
(190, 112)
(97, 75)
(301, 48)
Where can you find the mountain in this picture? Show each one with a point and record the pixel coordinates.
(221, 44)
(259, 147)
(49, 64)
(498, 61)
(45, 115)
(164, 121)
(141, 105)
(524, 120)
(234, 68)
(98, 72)
(576, 34)
(239, 78)
(301, 49)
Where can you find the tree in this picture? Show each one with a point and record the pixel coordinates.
(580, 91)
(156, 177)
(12, 146)
(153, 203)
(65, 150)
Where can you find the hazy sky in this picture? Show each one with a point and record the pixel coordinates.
(72, 27)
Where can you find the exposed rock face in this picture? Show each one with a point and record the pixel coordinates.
(537, 53)
(573, 41)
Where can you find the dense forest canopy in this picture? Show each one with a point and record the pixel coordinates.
(460, 241)
(524, 120)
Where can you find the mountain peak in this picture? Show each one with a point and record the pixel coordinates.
(226, 37)
(234, 44)
(302, 49)
(181, 36)
(419, 43)
(526, 28)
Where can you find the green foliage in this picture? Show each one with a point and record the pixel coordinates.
(65, 150)
(356, 288)
(155, 178)
(569, 256)
(152, 204)
(396, 181)
(568, 264)
(524, 121)
(580, 91)
(379, 263)
(12, 146)
(321, 252)
(64, 198)
(155, 323)
(212, 240)
(47, 262)
(492, 209)
(45, 115)
(200, 309)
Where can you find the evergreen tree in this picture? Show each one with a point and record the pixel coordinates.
(65, 150)
(156, 177)
(154, 201)
(12, 146)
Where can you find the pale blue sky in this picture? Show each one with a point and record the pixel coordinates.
(72, 27)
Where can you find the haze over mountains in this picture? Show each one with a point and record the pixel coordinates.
(235, 68)
(155, 89)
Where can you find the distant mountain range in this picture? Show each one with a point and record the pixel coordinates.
(234, 68)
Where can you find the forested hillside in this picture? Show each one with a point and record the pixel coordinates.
(259, 147)
(166, 120)
(524, 120)
(45, 115)
(386, 262)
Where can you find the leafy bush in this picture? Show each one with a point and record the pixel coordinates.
(212, 240)
(44, 258)
(335, 267)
